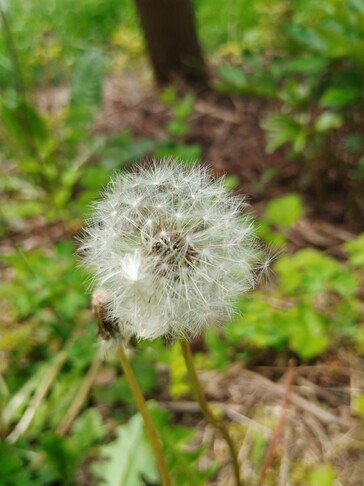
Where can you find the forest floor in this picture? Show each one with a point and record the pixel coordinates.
(304, 411)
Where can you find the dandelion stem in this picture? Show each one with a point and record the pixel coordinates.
(143, 409)
(209, 415)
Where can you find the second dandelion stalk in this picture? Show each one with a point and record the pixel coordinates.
(209, 415)
(149, 426)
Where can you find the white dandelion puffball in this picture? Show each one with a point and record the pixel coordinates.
(172, 247)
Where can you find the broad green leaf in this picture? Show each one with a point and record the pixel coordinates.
(234, 77)
(309, 271)
(338, 97)
(328, 121)
(308, 336)
(128, 459)
(284, 211)
(307, 65)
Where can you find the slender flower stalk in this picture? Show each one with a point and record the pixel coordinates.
(148, 422)
(110, 336)
(209, 415)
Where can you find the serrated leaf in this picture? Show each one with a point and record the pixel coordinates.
(128, 459)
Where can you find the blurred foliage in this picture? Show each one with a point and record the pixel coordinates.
(177, 128)
(312, 66)
(304, 56)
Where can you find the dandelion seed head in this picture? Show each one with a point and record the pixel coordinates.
(172, 247)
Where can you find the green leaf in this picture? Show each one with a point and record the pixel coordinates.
(323, 475)
(307, 65)
(338, 97)
(88, 429)
(168, 96)
(327, 121)
(308, 272)
(177, 370)
(12, 467)
(180, 151)
(284, 211)
(282, 129)
(361, 167)
(355, 249)
(23, 129)
(182, 462)
(231, 182)
(308, 337)
(358, 405)
(177, 128)
(184, 108)
(63, 455)
(128, 460)
(260, 324)
(233, 77)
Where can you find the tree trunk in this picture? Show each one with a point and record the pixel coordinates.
(169, 30)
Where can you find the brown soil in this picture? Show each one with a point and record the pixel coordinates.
(228, 129)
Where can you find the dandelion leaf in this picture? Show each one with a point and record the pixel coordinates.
(128, 460)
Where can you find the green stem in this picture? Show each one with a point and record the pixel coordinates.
(201, 399)
(149, 426)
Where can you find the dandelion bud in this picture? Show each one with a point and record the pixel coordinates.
(173, 249)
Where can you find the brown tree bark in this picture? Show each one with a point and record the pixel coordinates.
(174, 51)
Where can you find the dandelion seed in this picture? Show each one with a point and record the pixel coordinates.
(172, 247)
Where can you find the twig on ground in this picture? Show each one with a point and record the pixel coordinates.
(319, 391)
(322, 414)
(229, 412)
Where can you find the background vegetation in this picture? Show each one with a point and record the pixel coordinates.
(67, 417)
